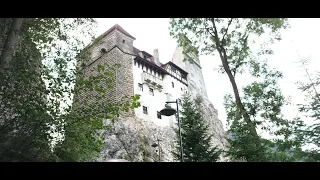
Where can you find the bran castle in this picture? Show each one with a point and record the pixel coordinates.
(143, 73)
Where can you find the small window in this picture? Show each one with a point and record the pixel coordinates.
(158, 115)
(181, 89)
(173, 69)
(140, 87)
(172, 84)
(151, 92)
(103, 50)
(145, 110)
(123, 41)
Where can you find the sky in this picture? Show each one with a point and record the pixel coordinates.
(301, 39)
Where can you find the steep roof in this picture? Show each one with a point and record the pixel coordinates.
(135, 51)
(176, 66)
(119, 28)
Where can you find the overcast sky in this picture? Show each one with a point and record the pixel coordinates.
(303, 38)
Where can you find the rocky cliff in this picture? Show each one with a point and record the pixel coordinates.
(132, 139)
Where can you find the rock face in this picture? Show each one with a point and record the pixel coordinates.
(132, 139)
(210, 114)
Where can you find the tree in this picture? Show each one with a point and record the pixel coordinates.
(311, 109)
(231, 39)
(196, 140)
(37, 82)
(264, 101)
(23, 110)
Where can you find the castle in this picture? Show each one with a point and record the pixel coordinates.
(143, 73)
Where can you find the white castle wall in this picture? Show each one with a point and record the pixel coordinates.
(134, 133)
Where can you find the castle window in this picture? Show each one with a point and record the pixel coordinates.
(103, 50)
(140, 87)
(181, 89)
(123, 41)
(158, 115)
(172, 84)
(145, 110)
(184, 76)
(151, 92)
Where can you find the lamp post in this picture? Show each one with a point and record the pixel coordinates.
(169, 111)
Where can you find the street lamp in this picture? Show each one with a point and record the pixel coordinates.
(169, 111)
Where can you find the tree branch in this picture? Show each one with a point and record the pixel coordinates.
(309, 77)
(230, 21)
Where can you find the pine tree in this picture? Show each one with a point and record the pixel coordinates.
(195, 136)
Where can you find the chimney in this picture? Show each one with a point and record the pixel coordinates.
(156, 56)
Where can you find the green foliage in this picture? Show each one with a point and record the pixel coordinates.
(232, 39)
(311, 109)
(23, 110)
(263, 100)
(196, 141)
(37, 88)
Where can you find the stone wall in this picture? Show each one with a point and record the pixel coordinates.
(118, 48)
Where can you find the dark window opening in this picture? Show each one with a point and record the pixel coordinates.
(103, 50)
(140, 87)
(172, 84)
(151, 92)
(145, 110)
(184, 76)
(173, 69)
(181, 89)
(123, 41)
(158, 115)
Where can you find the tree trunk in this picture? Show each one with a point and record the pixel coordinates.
(10, 42)
(224, 60)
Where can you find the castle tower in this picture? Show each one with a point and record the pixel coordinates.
(115, 46)
(191, 64)
(196, 87)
